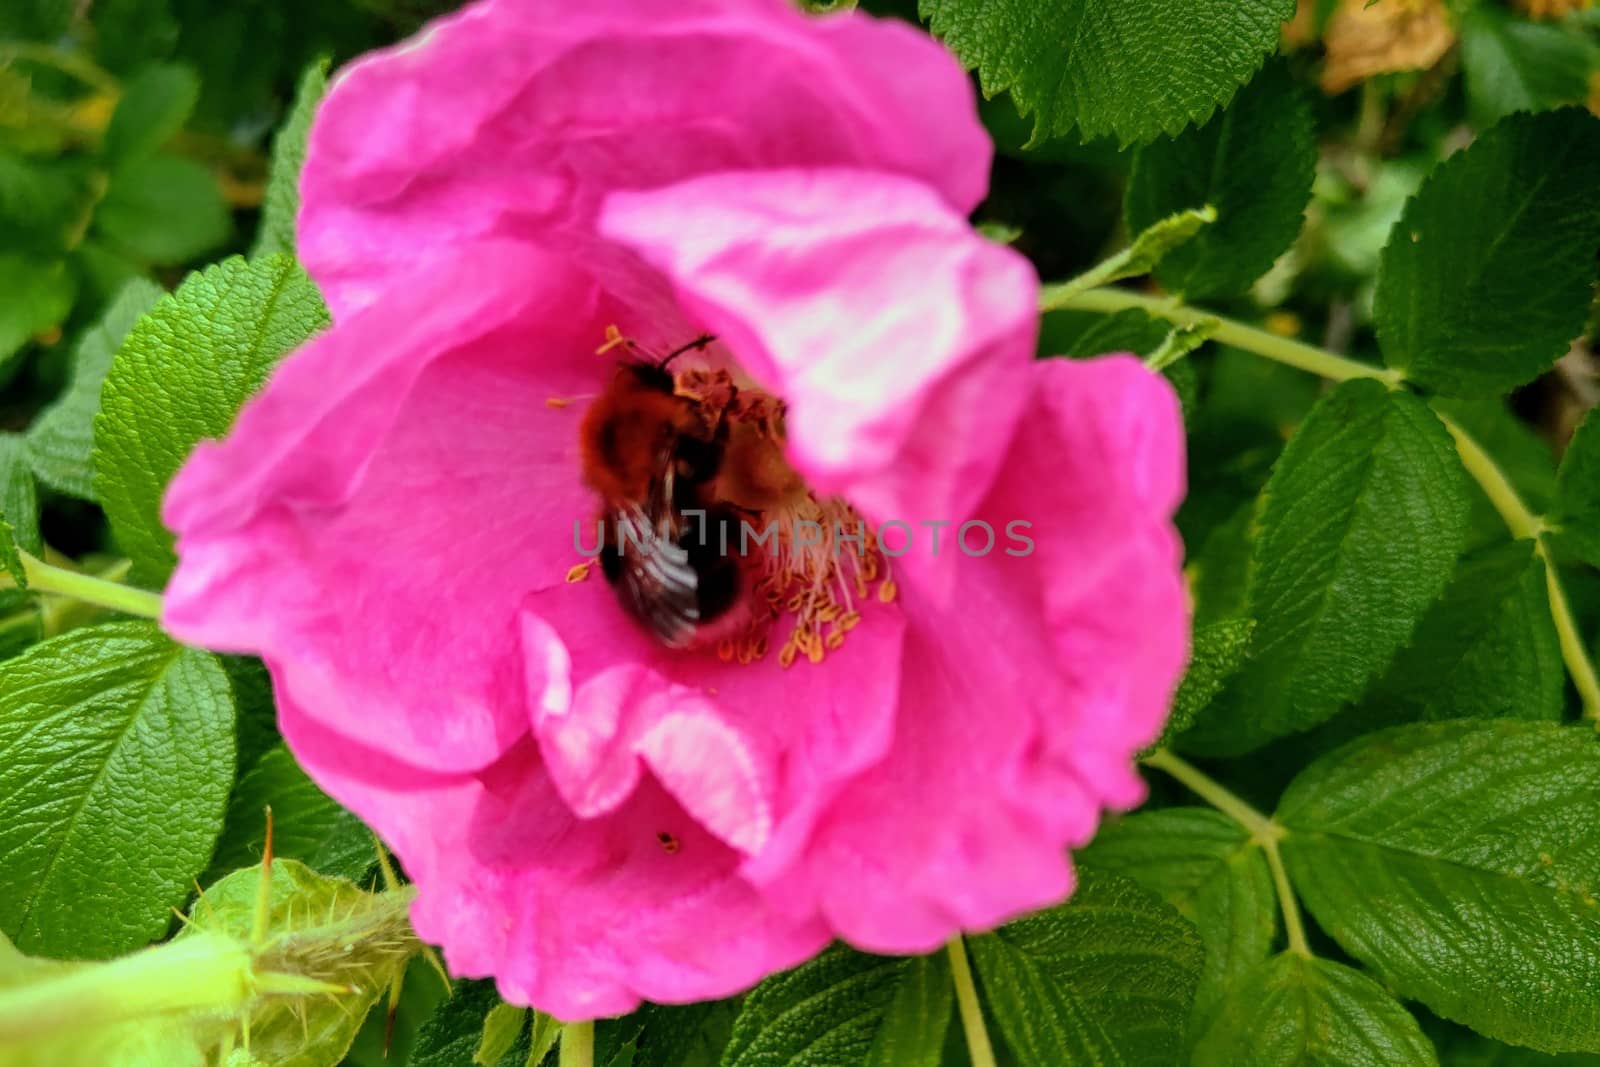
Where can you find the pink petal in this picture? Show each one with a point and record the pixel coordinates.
(1098, 464)
(598, 742)
(583, 917)
(898, 337)
(379, 511)
(753, 751)
(1027, 696)
(514, 117)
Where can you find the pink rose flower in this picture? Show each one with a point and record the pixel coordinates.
(887, 748)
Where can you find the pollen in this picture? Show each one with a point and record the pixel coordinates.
(557, 402)
(579, 573)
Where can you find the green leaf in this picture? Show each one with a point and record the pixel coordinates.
(61, 439)
(1487, 276)
(258, 712)
(1219, 649)
(846, 1007)
(181, 376)
(282, 201)
(1108, 977)
(1001, 233)
(21, 625)
(155, 104)
(1134, 68)
(44, 203)
(1333, 594)
(1461, 1047)
(1356, 223)
(105, 271)
(1458, 861)
(544, 1034)
(1487, 649)
(1302, 1012)
(1083, 334)
(39, 296)
(164, 210)
(690, 1035)
(320, 928)
(247, 51)
(453, 1034)
(35, 20)
(1219, 572)
(1205, 865)
(1256, 405)
(501, 1028)
(129, 33)
(1576, 516)
(1517, 448)
(308, 825)
(1253, 163)
(383, 1041)
(1515, 65)
(1179, 342)
(1152, 245)
(116, 753)
(19, 508)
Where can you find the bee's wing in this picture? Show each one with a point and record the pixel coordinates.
(657, 582)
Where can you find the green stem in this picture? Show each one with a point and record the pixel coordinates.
(1496, 486)
(1212, 792)
(1292, 926)
(1228, 331)
(1579, 665)
(1522, 522)
(1264, 831)
(577, 1045)
(978, 1045)
(46, 578)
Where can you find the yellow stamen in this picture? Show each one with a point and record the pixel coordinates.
(578, 573)
(614, 338)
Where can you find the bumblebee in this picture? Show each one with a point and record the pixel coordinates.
(652, 454)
